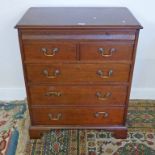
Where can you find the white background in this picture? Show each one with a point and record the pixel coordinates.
(11, 75)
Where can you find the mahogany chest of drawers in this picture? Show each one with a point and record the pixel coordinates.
(78, 65)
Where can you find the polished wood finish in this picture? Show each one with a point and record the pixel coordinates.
(106, 50)
(98, 95)
(119, 132)
(81, 34)
(36, 51)
(78, 65)
(107, 17)
(75, 116)
(78, 73)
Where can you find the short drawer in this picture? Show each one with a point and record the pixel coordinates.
(103, 95)
(77, 116)
(49, 51)
(77, 73)
(115, 50)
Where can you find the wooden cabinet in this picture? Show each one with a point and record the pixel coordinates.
(78, 66)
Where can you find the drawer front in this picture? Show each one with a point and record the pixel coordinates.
(77, 116)
(78, 95)
(67, 73)
(106, 51)
(49, 51)
(78, 35)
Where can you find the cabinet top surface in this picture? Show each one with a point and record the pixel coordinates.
(73, 17)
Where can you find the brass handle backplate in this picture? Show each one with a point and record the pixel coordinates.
(53, 93)
(102, 52)
(101, 113)
(55, 117)
(55, 73)
(101, 73)
(103, 97)
(49, 53)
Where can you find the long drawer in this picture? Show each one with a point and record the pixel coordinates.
(67, 73)
(77, 116)
(78, 95)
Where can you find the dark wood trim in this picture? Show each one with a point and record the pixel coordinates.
(91, 27)
(38, 131)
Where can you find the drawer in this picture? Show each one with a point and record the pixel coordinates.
(78, 95)
(115, 50)
(77, 116)
(78, 35)
(77, 73)
(49, 51)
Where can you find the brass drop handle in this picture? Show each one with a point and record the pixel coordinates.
(53, 93)
(103, 97)
(55, 117)
(104, 114)
(49, 53)
(55, 73)
(102, 52)
(101, 74)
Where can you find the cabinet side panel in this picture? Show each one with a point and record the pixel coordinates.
(131, 75)
(24, 70)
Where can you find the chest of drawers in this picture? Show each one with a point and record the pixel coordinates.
(78, 65)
